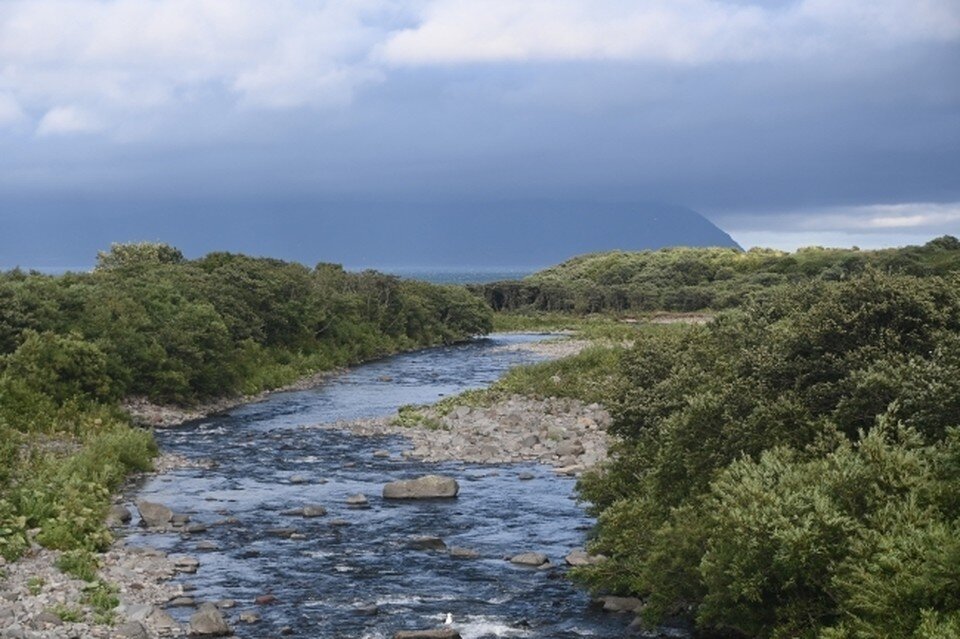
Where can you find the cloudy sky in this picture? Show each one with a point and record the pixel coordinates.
(787, 122)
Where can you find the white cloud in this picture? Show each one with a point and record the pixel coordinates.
(670, 31)
(67, 120)
(121, 60)
(10, 111)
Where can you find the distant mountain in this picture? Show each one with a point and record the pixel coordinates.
(505, 234)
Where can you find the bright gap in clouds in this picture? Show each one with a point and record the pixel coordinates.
(873, 226)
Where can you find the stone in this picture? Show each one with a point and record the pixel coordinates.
(194, 529)
(426, 487)
(118, 515)
(298, 479)
(580, 557)
(249, 617)
(186, 564)
(426, 542)
(46, 618)
(570, 448)
(161, 619)
(358, 501)
(368, 610)
(535, 559)
(223, 604)
(265, 600)
(208, 622)
(180, 519)
(314, 510)
(281, 532)
(611, 603)
(525, 476)
(463, 553)
(154, 515)
(131, 630)
(181, 602)
(381, 453)
(436, 633)
(207, 545)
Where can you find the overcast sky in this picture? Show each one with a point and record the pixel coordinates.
(785, 122)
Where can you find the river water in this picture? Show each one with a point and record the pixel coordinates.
(324, 581)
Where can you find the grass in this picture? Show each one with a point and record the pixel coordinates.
(67, 614)
(588, 376)
(81, 564)
(102, 598)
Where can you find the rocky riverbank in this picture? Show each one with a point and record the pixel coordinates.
(152, 415)
(564, 433)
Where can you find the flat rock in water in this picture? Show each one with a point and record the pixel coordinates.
(436, 633)
(426, 487)
(154, 515)
(426, 542)
(463, 553)
(209, 622)
(313, 510)
(358, 501)
(530, 559)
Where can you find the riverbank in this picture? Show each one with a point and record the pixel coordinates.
(122, 599)
(564, 433)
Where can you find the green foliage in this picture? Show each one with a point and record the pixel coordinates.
(81, 564)
(35, 585)
(67, 614)
(140, 254)
(102, 597)
(793, 468)
(149, 322)
(690, 279)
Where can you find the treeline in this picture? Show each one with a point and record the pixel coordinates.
(149, 322)
(793, 468)
(692, 279)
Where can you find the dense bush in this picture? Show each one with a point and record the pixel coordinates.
(791, 470)
(149, 322)
(690, 279)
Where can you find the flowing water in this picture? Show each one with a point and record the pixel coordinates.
(325, 582)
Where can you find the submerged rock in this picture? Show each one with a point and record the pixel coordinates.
(463, 553)
(426, 542)
(426, 487)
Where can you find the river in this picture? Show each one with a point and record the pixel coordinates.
(325, 581)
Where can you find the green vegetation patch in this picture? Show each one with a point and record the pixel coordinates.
(693, 279)
(792, 469)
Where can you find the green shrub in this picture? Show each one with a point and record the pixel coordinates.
(81, 564)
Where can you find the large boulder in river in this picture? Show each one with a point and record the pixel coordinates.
(154, 515)
(426, 487)
(209, 622)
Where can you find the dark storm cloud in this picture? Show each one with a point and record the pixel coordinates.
(753, 116)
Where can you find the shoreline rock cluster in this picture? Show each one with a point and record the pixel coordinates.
(564, 433)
